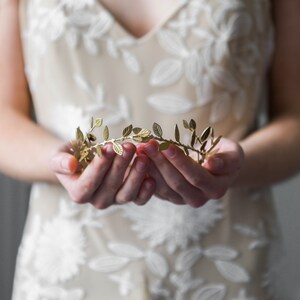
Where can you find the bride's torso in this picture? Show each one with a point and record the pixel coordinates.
(193, 59)
(140, 17)
(200, 59)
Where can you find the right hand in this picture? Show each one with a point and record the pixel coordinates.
(107, 180)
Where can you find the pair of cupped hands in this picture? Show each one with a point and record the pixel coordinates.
(143, 171)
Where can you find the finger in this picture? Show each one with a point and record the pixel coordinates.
(162, 189)
(211, 186)
(146, 191)
(106, 193)
(132, 184)
(173, 177)
(227, 160)
(64, 163)
(82, 186)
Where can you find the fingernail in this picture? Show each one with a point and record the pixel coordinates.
(65, 164)
(128, 151)
(109, 151)
(170, 152)
(150, 149)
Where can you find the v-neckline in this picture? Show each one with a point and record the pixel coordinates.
(154, 29)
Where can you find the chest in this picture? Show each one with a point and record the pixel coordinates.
(139, 17)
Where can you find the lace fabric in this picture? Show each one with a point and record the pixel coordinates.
(207, 61)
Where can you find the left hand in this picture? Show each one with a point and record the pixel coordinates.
(181, 180)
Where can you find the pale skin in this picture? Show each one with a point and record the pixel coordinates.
(30, 153)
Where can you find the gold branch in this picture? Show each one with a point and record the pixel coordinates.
(85, 146)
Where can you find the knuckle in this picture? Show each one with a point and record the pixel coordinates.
(218, 193)
(120, 163)
(198, 203)
(178, 186)
(124, 198)
(201, 183)
(112, 187)
(176, 200)
(161, 196)
(141, 201)
(78, 198)
(89, 185)
(101, 204)
(164, 193)
(144, 197)
(196, 181)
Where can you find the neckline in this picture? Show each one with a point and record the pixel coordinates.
(169, 15)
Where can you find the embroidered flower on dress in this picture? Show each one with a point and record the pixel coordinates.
(242, 296)
(27, 247)
(163, 223)
(71, 116)
(78, 4)
(60, 250)
(30, 288)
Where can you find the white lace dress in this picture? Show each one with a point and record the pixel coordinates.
(206, 61)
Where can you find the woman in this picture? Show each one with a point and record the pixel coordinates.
(215, 237)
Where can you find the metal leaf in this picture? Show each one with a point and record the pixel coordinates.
(106, 133)
(205, 134)
(147, 138)
(127, 130)
(212, 133)
(192, 124)
(75, 148)
(186, 124)
(203, 146)
(144, 133)
(74, 145)
(92, 122)
(215, 142)
(91, 137)
(79, 134)
(99, 150)
(98, 122)
(138, 139)
(177, 134)
(193, 139)
(118, 148)
(164, 146)
(157, 130)
(136, 130)
(186, 151)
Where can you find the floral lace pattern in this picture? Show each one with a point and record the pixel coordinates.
(208, 60)
(164, 223)
(61, 249)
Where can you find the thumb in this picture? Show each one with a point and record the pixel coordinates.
(223, 163)
(63, 163)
